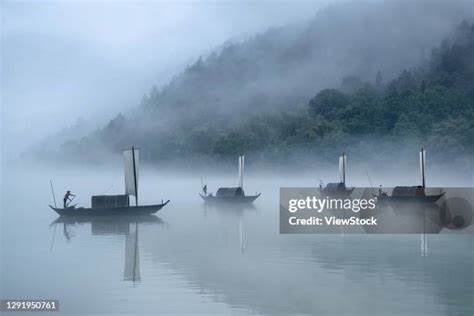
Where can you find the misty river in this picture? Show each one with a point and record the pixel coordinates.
(195, 259)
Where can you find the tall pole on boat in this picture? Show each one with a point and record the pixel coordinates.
(344, 168)
(242, 175)
(422, 167)
(135, 176)
(241, 171)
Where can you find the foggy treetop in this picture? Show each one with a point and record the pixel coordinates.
(354, 77)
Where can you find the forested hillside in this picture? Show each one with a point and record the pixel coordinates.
(342, 81)
(431, 105)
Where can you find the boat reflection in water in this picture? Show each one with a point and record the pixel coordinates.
(127, 226)
(232, 212)
(132, 256)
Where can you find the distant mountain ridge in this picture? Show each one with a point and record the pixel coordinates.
(277, 71)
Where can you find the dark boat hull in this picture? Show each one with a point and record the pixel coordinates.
(116, 211)
(231, 199)
(409, 199)
(341, 194)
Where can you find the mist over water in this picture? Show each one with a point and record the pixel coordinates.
(96, 60)
(198, 259)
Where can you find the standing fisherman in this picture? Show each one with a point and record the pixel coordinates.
(67, 197)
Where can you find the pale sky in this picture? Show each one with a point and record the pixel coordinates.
(65, 60)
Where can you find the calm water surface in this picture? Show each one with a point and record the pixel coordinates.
(192, 259)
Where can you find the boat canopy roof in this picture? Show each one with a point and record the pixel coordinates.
(100, 201)
(230, 192)
(408, 191)
(335, 186)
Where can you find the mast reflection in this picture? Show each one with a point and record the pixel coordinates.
(127, 226)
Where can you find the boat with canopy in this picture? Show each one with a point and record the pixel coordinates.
(411, 193)
(338, 189)
(117, 204)
(231, 194)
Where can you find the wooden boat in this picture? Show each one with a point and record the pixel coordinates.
(407, 194)
(338, 189)
(130, 210)
(410, 194)
(413, 198)
(112, 220)
(232, 194)
(108, 205)
(234, 198)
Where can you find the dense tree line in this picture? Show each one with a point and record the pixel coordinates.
(431, 105)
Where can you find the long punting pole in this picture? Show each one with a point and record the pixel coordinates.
(422, 161)
(54, 196)
(135, 176)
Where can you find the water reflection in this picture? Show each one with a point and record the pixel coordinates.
(218, 259)
(446, 276)
(227, 209)
(233, 212)
(127, 226)
(132, 256)
(312, 274)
